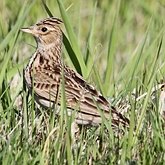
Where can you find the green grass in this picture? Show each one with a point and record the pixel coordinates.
(118, 46)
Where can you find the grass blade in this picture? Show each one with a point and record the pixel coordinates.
(72, 38)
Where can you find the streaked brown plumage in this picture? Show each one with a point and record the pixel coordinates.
(45, 69)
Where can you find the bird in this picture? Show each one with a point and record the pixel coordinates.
(46, 70)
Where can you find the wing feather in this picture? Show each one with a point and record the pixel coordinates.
(79, 95)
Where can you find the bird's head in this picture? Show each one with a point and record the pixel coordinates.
(47, 32)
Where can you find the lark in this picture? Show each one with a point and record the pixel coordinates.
(44, 73)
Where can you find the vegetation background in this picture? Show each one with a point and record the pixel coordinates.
(118, 46)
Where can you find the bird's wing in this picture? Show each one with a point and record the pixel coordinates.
(91, 102)
(79, 95)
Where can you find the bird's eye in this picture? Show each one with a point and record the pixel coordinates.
(44, 29)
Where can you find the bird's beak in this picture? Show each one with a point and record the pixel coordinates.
(28, 30)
